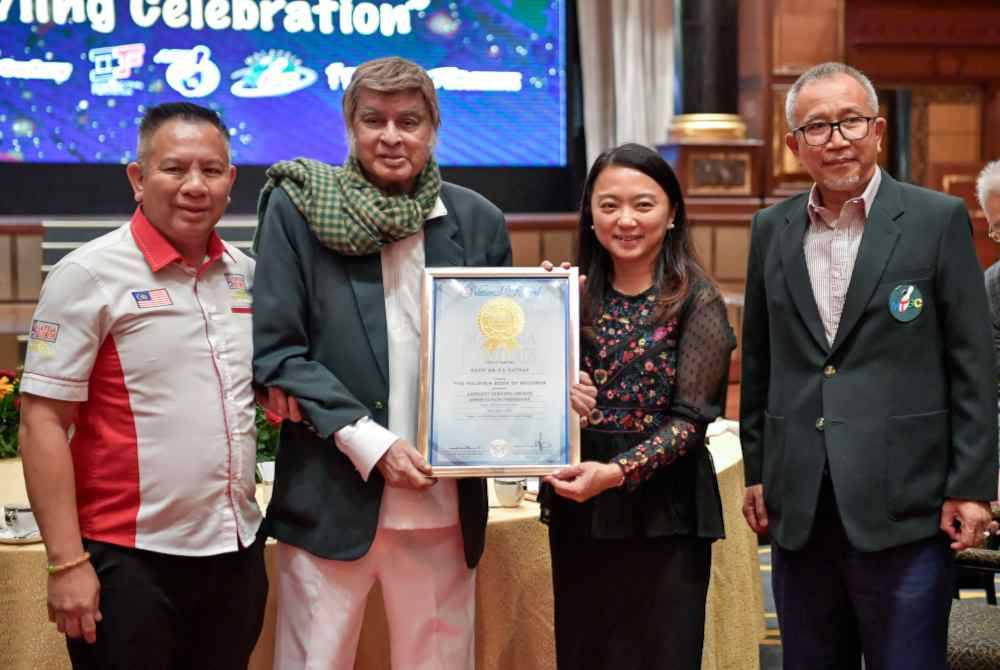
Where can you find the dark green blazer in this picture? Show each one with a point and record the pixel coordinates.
(320, 334)
(908, 409)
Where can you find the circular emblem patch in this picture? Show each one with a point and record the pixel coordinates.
(906, 302)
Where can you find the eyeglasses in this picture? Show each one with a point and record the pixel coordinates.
(852, 129)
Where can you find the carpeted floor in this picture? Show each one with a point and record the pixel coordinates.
(770, 648)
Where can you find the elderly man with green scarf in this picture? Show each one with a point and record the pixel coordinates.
(341, 251)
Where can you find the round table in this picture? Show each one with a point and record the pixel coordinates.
(514, 591)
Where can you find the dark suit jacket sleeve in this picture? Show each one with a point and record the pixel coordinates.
(281, 322)
(992, 278)
(501, 244)
(964, 315)
(484, 229)
(755, 366)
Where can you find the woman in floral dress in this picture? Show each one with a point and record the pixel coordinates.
(631, 527)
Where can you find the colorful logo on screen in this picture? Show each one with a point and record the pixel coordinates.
(190, 72)
(113, 66)
(57, 71)
(270, 74)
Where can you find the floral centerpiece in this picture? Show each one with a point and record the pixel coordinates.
(10, 411)
(268, 424)
(268, 427)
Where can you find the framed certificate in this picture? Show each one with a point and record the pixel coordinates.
(499, 353)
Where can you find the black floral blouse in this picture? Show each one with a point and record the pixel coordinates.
(659, 383)
(634, 363)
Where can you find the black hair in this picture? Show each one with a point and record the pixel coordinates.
(156, 116)
(677, 265)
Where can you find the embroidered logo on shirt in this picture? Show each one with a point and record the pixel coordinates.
(40, 348)
(236, 282)
(238, 294)
(44, 330)
(157, 297)
(905, 303)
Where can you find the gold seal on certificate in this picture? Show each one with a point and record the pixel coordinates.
(500, 321)
(499, 354)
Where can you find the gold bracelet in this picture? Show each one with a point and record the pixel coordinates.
(55, 569)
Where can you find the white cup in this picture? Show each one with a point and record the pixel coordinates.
(19, 520)
(509, 492)
(266, 471)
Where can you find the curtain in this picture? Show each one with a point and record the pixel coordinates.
(627, 64)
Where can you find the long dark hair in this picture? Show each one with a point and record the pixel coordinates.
(677, 265)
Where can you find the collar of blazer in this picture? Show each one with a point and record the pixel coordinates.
(877, 242)
(442, 248)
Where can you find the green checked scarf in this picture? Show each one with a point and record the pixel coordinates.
(348, 213)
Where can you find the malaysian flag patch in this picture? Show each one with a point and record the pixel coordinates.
(156, 297)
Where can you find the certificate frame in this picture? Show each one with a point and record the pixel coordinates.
(451, 434)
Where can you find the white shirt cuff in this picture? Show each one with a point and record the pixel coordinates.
(364, 442)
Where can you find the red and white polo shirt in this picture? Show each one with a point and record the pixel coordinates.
(159, 354)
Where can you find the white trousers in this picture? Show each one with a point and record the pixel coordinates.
(429, 596)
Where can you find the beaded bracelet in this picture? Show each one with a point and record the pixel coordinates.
(55, 569)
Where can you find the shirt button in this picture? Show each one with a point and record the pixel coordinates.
(829, 371)
(379, 404)
(820, 424)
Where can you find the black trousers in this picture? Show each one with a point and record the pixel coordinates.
(836, 604)
(633, 604)
(164, 612)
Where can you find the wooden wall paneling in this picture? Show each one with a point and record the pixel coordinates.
(991, 121)
(931, 111)
(7, 267)
(703, 240)
(29, 266)
(923, 40)
(10, 356)
(954, 133)
(734, 311)
(732, 248)
(534, 236)
(720, 228)
(806, 32)
(559, 246)
(959, 179)
(920, 64)
(787, 175)
(526, 246)
(20, 259)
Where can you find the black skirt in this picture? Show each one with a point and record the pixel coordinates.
(632, 604)
(680, 499)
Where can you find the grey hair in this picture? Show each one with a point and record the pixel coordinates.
(826, 71)
(389, 75)
(988, 182)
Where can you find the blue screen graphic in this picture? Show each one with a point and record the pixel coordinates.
(76, 75)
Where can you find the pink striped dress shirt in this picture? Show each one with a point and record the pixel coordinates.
(831, 246)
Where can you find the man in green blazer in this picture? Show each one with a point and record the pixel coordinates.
(337, 326)
(868, 415)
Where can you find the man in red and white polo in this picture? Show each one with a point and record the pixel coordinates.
(142, 343)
